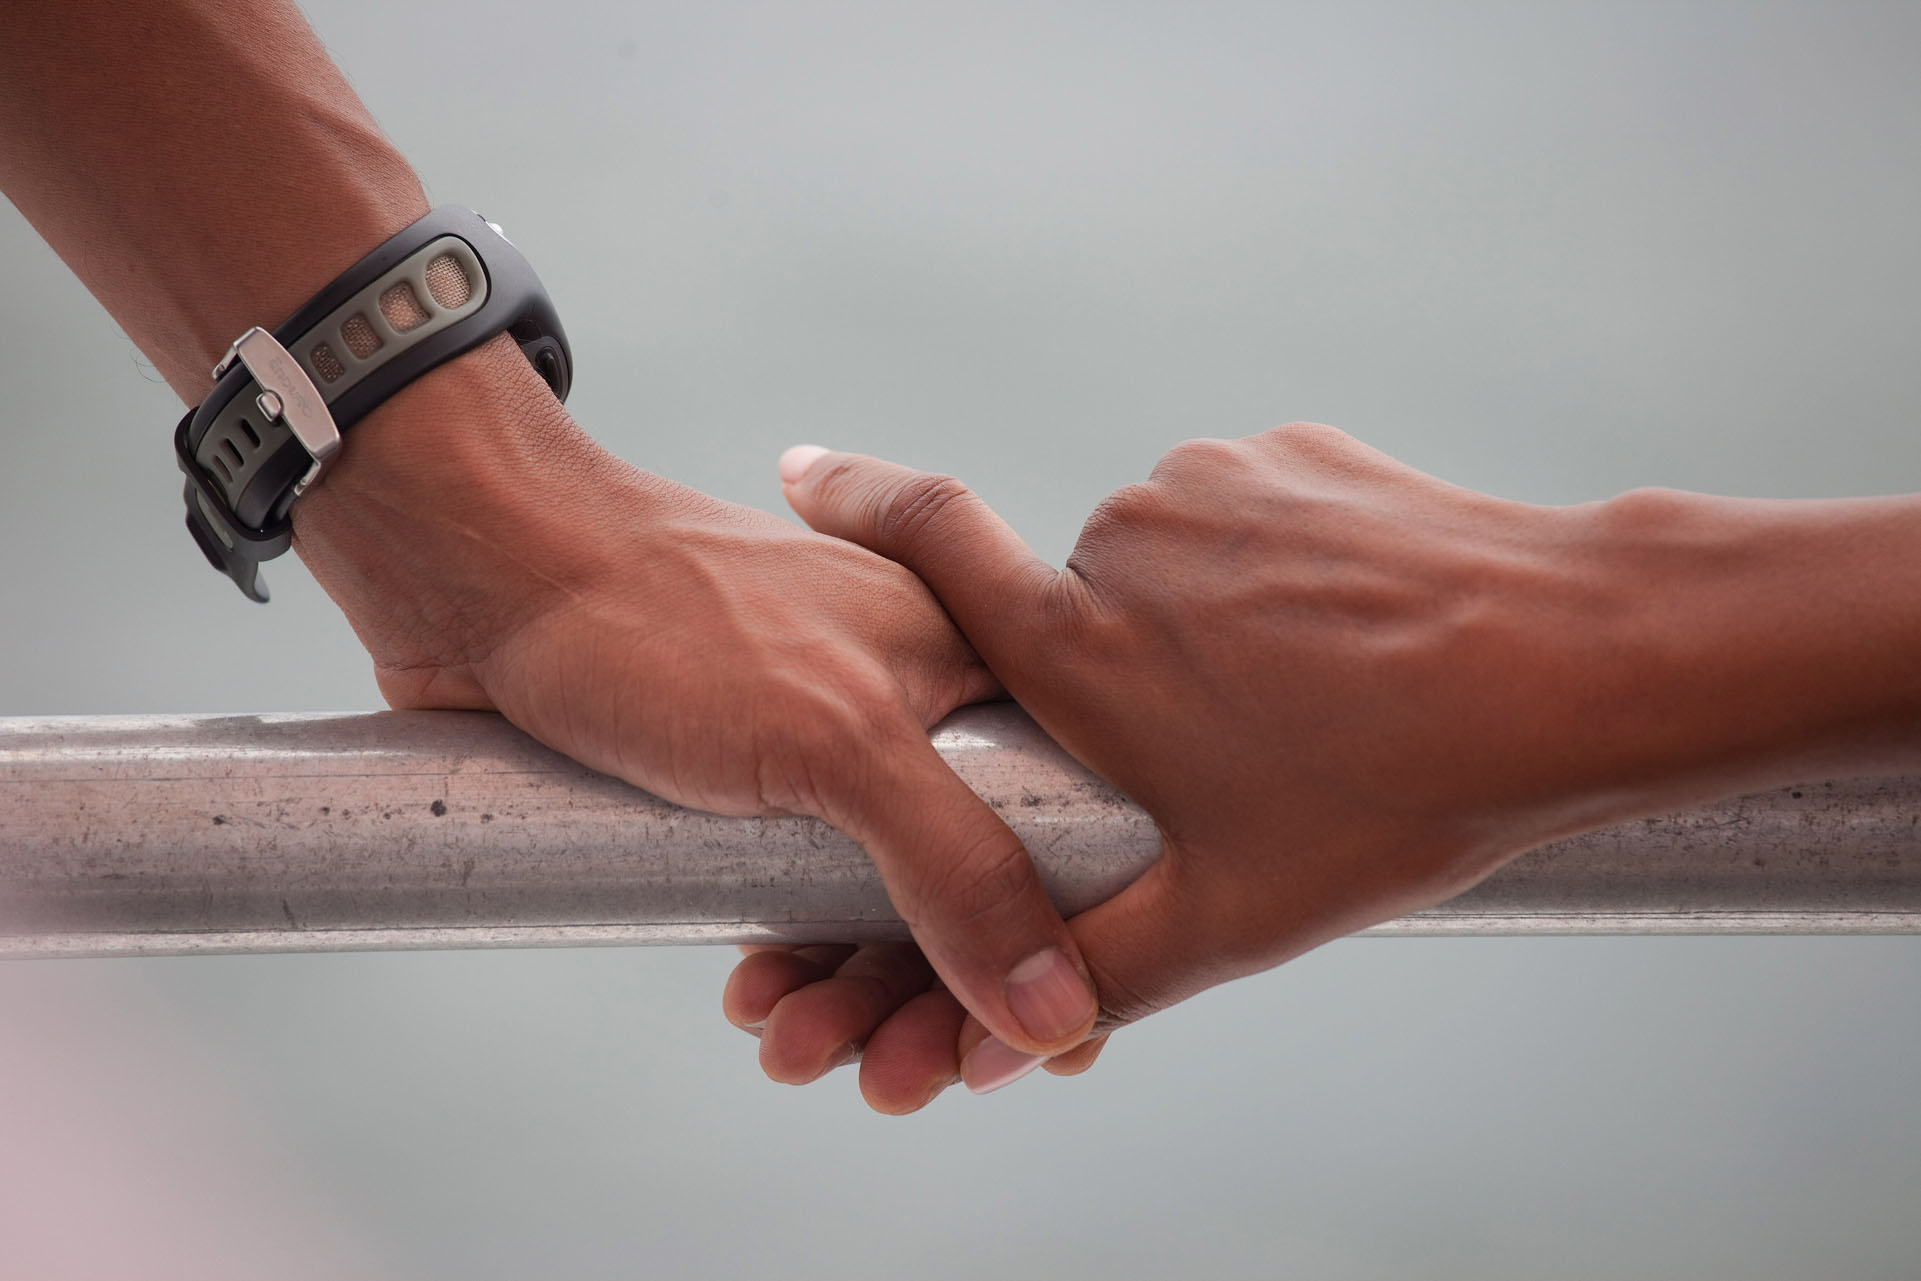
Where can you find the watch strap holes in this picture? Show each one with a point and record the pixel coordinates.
(253, 437)
(358, 333)
(402, 308)
(220, 465)
(231, 450)
(447, 282)
(325, 363)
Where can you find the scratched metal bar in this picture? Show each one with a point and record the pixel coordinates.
(141, 835)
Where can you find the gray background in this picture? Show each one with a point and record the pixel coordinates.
(1551, 251)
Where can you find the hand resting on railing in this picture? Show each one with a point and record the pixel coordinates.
(1346, 690)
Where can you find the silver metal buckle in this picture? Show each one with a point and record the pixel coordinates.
(288, 396)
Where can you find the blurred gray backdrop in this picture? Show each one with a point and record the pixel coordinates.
(1547, 250)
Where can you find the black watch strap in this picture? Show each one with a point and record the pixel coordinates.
(443, 286)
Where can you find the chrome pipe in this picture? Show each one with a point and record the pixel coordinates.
(150, 835)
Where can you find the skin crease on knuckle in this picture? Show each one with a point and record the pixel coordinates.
(973, 884)
(905, 514)
(834, 488)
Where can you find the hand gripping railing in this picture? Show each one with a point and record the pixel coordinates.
(140, 835)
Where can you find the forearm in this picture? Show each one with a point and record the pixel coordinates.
(1747, 642)
(204, 167)
(201, 165)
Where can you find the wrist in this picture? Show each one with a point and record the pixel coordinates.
(456, 511)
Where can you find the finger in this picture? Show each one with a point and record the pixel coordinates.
(1070, 1063)
(910, 1057)
(812, 1028)
(964, 884)
(758, 982)
(1076, 1060)
(988, 1064)
(984, 574)
(1154, 944)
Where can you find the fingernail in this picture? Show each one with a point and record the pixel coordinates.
(1049, 996)
(795, 462)
(992, 1064)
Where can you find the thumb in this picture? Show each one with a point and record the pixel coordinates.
(964, 884)
(1156, 943)
(986, 577)
(958, 875)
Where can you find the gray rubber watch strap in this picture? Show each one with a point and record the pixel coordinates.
(239, 441)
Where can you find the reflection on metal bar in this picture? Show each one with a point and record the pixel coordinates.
(137, 835)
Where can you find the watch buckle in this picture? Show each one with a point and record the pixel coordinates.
(286, 396)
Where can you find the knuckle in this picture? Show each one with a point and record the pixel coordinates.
(1199, 457)
(1310, 440)
(1127, 510)
(1123, 508)
(1649, 510)
(1107, 564)
(916, 505)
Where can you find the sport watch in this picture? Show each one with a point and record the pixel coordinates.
(282, 399)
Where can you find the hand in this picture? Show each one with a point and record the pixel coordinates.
(1343, 689)
(489, 555)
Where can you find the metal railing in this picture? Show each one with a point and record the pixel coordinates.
(142, 835)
